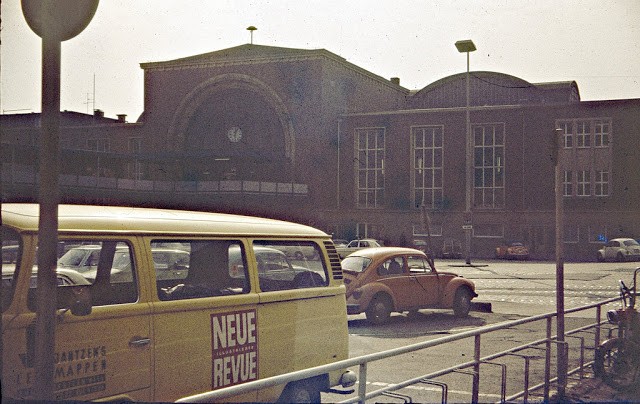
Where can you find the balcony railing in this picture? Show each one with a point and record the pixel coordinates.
(26, 175)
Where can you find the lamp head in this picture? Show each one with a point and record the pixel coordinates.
(465, 45)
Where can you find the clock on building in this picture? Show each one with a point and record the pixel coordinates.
(234, 134)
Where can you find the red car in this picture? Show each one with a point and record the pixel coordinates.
(514, 251)
(383, 280)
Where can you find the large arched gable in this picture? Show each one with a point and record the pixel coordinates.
(218, 86)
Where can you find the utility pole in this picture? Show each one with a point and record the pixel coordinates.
(54, 22)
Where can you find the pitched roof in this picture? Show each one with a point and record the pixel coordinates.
(245, 53)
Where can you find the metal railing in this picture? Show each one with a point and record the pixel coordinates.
(471, 368)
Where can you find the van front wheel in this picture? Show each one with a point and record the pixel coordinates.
(300, 392)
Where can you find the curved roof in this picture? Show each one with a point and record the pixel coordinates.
(129, 220)
(492, 88)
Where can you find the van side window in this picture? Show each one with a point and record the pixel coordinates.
(286, 265)
(105, 267)
(188, 269)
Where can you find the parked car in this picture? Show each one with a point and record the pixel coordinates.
(355, 245)
(620, 249)
(65, 277)
(169, 263)
(513, 251)
(383, 280)
(421, 245)
(340, 242)
(276, 271)
(451, 248)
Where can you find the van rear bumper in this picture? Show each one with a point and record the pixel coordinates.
(353, 309)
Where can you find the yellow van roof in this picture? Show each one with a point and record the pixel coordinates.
(117, 219)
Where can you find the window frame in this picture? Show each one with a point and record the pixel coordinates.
(427, 165)
(489, 175)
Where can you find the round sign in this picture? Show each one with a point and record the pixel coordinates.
(60, 19)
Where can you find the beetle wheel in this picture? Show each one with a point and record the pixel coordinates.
(379, 310)
(462, 302)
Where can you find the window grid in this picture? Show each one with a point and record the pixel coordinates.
(567, 184)
(99, 145)
(602, 129)
(135, 168)
(602, 183)
(584, 183)
(489, 166)
(427, 165)
(567, 137)
(369, 167)
(583, 134)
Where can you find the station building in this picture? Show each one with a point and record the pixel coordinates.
(305, 135)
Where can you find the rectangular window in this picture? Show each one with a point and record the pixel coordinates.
(489, 166)
(188, 269)
(584, 183)
(285, 265)
(135, 168)
(597, 234)
(427, 166)
(100, 145)
(567, 184)
(107, 265)
(602, 183)
(488, 230)
(369, 167)
(602, 129)
(421, 231)
(583, 134)
(567, 128)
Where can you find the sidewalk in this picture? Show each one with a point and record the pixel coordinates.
(590, 390)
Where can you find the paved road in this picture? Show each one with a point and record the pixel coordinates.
(515, 290)
(529, 288)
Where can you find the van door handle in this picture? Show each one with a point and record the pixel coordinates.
(137, 342)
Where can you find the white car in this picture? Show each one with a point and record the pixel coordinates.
(620, 249)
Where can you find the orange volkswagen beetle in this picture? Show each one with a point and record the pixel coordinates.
(383, 280)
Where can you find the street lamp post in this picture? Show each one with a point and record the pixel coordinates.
(560, 323)
(54, 22)
(467, 46)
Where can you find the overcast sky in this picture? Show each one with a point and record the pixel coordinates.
(594, 42)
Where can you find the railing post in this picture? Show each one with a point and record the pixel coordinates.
(598, 320)
(475, 394)
(362, 382)
(547, 361)
(526, 379)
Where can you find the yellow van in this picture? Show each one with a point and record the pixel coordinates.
(180, 303)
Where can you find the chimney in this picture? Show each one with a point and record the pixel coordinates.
(395, 80)
(98, 113)
(122, 118)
